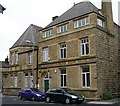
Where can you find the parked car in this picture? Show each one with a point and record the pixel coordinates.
(63, 95)
(30, 94)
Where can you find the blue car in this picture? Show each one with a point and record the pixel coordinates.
(31, 94)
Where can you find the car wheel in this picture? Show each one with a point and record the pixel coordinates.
(67, 101)
(48, 99)
(19, 97)
(33, 98)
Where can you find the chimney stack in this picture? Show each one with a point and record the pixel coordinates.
(55, 17)
(6, 60)
(107, 11)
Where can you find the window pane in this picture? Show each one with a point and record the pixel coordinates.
(61, 80)
(86, 20)
(83, 79)
(87, 48)
(85, 69)
(83, 22)
(61, 54)
(64, 80)
(88, 79)
(63, 71)
(64, 53)
(83, 50)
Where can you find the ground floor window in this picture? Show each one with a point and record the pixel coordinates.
(31, 79)
(85, 77)
(63, 77)
(15, 80)
(26, 79)
(11, 80)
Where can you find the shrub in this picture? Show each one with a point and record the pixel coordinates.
(106, 96)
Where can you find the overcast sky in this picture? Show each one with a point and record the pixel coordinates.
(19, 14)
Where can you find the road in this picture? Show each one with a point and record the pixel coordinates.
(13, 101)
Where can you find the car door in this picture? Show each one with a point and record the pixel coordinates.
(24, 93)
(28, 94)
(60, 95)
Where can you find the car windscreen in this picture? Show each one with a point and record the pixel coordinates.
(35, 89)
(67, 90)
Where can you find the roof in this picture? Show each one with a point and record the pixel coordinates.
(4, 64)
(77, 10)
(30, 34)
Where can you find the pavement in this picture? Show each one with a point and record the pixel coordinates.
(112, 101)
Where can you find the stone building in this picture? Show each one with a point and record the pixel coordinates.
(4, 68)
(23, 62)
(79, 50)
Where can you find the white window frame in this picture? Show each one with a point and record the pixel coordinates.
(30, 58)
(15, 80)
(81, 22)
(63, 28)
(12, 58)
(63, 50)
(84, 45)
(16, 57)
(11, 76)
(47, 33)
(85, 75)
(100, 22)
(26, 80)
(31, 79)
(64, 76)
(45, 54)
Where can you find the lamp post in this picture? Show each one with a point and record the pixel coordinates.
(28, 41)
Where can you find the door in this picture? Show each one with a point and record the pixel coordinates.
(60, 95)
(46, 84)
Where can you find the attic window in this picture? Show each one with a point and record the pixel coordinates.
(63, 28)
(81, 22)
(100, 22)
(47, 33)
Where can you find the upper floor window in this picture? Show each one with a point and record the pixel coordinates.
(30, 55)
(100, 22)
(84, 47)
(63, 51)
(81, 22)
(63, 28)
(47, 33)
(45, 54)
(12, 58)
(16, 57)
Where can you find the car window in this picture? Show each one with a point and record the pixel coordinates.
(28, 90)
(35, 90)
(53, 90)
(59, 91)
(69, 90)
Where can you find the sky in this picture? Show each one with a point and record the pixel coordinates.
(19, 14)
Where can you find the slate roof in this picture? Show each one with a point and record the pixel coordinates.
(31, 34)
(77, 10)
(4, 64)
